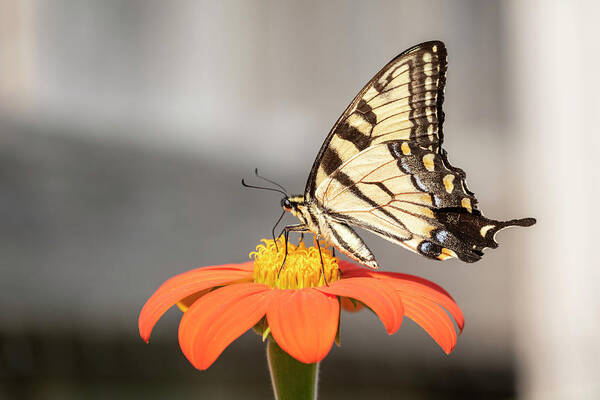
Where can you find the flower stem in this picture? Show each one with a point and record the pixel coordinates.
(292, 379)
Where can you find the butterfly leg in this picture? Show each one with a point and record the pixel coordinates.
(321, 257)
(273, 230)
(286, 234)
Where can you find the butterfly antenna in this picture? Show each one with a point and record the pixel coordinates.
(269, 180)
(263, 188)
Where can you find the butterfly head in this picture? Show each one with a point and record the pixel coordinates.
(286, 204)
(292, 204)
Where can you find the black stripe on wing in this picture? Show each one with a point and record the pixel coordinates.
(403, 100)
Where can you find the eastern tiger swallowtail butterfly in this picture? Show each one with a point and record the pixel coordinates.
(382, 168)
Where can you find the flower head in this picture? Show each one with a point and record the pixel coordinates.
(299, 305)
(303, 266)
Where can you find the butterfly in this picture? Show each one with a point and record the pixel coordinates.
(382, 168)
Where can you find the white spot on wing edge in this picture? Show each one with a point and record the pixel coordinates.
(405, 148)
(466, 203)
(484, 230)
(428, 162)
(448, 183)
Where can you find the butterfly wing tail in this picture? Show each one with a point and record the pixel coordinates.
(468, 234)
(519, 222)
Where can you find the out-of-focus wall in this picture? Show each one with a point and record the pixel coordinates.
(127, 125)
(210, 77)
(232, 85)
(554, 55)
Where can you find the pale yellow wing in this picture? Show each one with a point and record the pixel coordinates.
(403, 101)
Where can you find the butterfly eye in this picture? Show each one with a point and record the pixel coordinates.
(285, 203)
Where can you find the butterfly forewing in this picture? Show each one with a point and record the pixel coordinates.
(402, 102)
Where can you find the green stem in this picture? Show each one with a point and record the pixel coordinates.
(292, 379)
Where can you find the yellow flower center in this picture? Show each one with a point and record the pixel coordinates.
(302, 267)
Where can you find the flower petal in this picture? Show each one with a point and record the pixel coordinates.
(186, 284)
(304, 322)
(433, 319)
(218, 318)
(375, 294)
(187, 302)
(409, 285)
(348, 267)
(412, 286)
(350, 305)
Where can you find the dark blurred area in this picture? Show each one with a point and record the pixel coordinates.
(126, 127)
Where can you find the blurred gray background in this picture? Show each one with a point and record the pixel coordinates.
(126, 126)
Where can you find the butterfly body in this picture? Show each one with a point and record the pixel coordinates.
(313, 218)
(382, 168)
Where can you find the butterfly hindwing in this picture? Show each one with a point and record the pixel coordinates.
(407, 195)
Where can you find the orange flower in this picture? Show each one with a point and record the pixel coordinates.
(296, 306)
